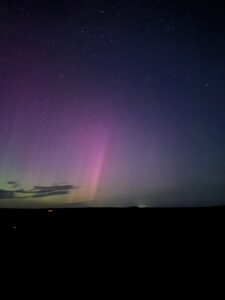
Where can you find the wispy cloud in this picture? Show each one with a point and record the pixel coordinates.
(14, 184)
(36, 191)
(43, 195)
(55, 190)
(4, 194)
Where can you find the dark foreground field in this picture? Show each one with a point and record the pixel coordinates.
(88, 222)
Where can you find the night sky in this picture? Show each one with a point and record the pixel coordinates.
(112, 103)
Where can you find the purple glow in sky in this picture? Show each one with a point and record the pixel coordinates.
(122, 99)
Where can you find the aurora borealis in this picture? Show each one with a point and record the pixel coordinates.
(111, 103)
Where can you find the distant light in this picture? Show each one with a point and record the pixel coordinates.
(50, 211)
(142, 206)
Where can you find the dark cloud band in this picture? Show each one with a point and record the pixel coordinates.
(37, 191)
